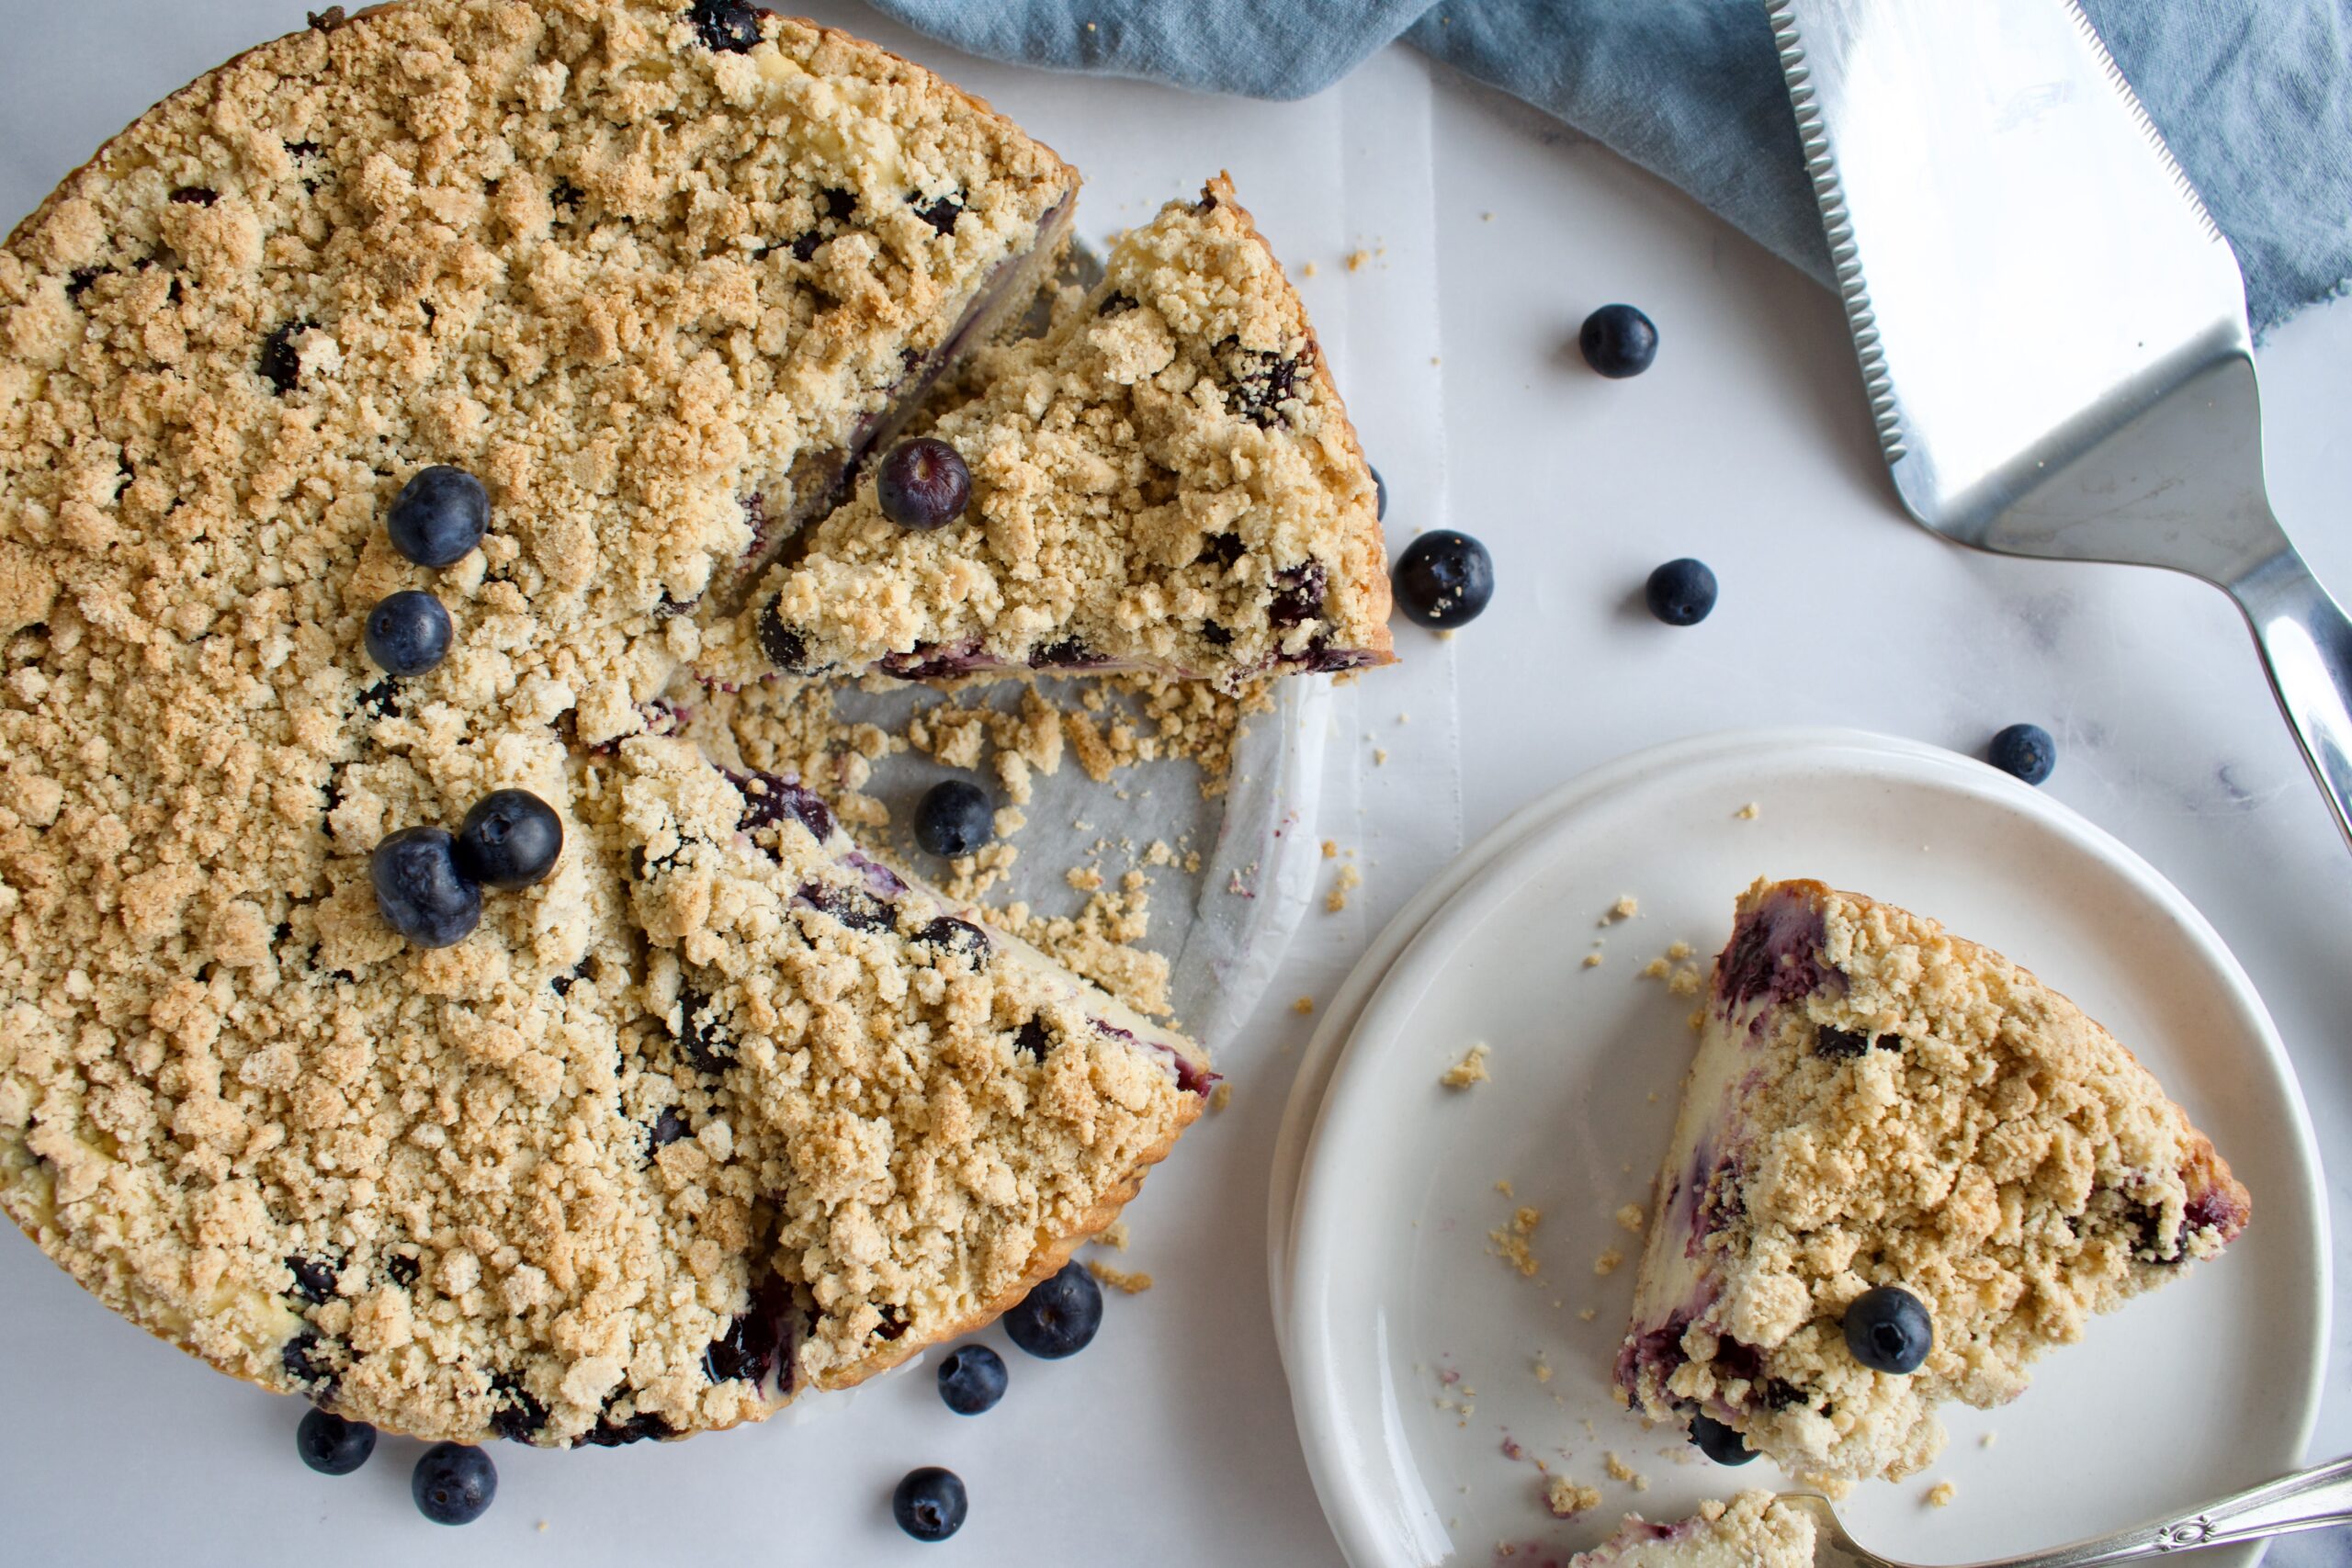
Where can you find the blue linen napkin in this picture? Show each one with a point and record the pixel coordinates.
(2255, 97)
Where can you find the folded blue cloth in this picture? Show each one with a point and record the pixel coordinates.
(2253, 96)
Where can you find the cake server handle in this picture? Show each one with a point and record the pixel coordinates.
(2307, 646)
(2307, 1500)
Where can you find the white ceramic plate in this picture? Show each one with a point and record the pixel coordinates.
(1412, 1350)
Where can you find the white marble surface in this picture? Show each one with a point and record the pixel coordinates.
(1747, 446)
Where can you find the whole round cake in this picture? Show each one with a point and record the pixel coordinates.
(716, 1108)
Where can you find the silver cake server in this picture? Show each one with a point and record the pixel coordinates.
(2052, 330)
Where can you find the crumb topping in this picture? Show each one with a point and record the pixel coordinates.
(1875, 1102)
(652, 287)
(1166, 480)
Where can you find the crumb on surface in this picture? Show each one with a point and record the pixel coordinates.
(1592, 961)
(1502, 1185)
(1625, 908)
(1112, 1236)
(1987, 1440)
(1331, 849)
(1941, 1494)
(1221, 1095)
(1632, 1217)
(1677, 951)
(1512, 1243)
(1303, 1006)
(1307, 269)
(1380, 756)
(1543, 1368)
(1656, 969)
(1471, 1069)
(1587, 1315)
(1347, 880)
(1619, 1470)
(1608, 1262)
(1129, 1282)
(1564, 1500)
(1683, 982)
(1749, 812)
(1359, 259)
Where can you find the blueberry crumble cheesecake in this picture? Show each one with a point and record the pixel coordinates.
(1165, 480)
(1755, 1529)
(699, 1106)
(1903, 1168)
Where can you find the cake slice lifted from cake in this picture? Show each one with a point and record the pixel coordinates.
(1165, 480)
(1754, 1530)
(921, 1115)
(1877, 1107)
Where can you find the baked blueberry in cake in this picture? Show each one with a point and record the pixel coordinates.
(1165, 480)
(1903, 1168)
(706, 1108)
(1755, 1529)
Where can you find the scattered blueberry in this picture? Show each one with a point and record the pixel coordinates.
(333, 1446)
(1889, 1330)
(1059, 1317)
(453, 1484)
(2027, 751)
(953, 818)
(439, 515)
(408, 633)
(420, 891)
(1618, 341)
(1718, 1442)
(1379, 495)
(510, 840)
(930, 1503)
(922, 484)
(1444, 579)
(971, 1379)
(1681, 593)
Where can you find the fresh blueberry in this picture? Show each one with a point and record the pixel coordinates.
(726, 27)
(333, 1446)
(439, 516)
(1379, 495)
(1681, 593)
(1444, 579)
(930, 1503)
(1889, 1330)
(2027, 751)
(453, 1484)
(953, 818)
(922, 484)
(408, 633)
(1059, 1317)
(420, 891)
(510, 840)
(971, 1379)
(1718, 1442)
(1618, 341)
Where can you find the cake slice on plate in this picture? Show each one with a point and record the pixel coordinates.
(925, 1114)
(1165, 480)
(1903, 1168)
(1754, 1530)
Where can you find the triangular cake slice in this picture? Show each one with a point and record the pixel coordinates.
(1755, 1529)
(1875, 1102)
(925, 1114)
(1165, 480)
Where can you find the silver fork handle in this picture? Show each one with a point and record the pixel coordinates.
(2307, 645)
(2308, 1500)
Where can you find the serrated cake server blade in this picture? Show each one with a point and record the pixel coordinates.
(2053, 330)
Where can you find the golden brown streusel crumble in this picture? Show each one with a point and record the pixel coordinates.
(1167, 480)
(1877, 1102)
(649, 277)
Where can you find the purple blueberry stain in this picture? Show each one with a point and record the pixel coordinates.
(1775, 954)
